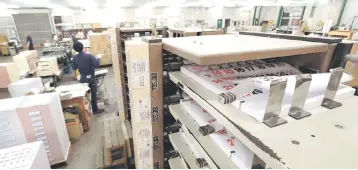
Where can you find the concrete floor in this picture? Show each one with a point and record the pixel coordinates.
(83, 152)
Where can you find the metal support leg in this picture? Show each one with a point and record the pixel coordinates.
(332, 88)
(272, 114)
(302, 86)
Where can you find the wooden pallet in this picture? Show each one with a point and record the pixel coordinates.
(128, 136)
(112, 149)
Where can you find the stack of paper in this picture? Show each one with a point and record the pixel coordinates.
(255, 93)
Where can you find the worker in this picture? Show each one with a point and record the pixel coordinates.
(86, 64)
(30, 43)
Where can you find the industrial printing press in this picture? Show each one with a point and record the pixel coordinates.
(243, 100)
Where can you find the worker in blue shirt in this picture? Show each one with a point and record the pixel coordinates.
(29, 42)
(86, 64)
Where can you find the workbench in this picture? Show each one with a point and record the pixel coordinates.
(326, 139)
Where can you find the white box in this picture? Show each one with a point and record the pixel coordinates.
(9, 74)
(35, 118)
(26, 156)
(23, 86)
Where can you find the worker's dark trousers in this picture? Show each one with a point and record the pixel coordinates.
(92, 84)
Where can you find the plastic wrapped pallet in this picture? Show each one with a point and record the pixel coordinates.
(9, 74)
(26, 156)
(36, 118)
(24, 86)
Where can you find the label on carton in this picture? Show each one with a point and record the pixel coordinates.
(142, 106)
(140, 74)
(140, 81)
(140, 66)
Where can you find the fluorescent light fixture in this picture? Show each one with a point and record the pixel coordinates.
(86, 4)
(62, 10)
(118, 3)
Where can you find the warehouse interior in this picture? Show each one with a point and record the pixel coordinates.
(184, 84)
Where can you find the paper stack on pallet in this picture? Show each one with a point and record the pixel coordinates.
(101, 44)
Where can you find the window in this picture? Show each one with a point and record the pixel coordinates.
(291, 16)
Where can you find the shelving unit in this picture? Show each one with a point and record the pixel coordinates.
(288, 150)
(292, 149)
(122, 35)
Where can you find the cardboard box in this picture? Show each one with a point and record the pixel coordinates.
(84, 115)
(73, 124)
(146, 102)
(4, 49)
(116, 66)
(352, 68)
(101, 44)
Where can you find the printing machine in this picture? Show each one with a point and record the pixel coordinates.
(246, 97)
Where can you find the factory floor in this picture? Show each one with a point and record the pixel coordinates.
(82, 153)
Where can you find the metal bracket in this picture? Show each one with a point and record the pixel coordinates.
(332, 88)
(272, 114)
(171, 154)
(302, 85)
(201, 162)
(173, 127)
(226, 98)
(206, 130)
